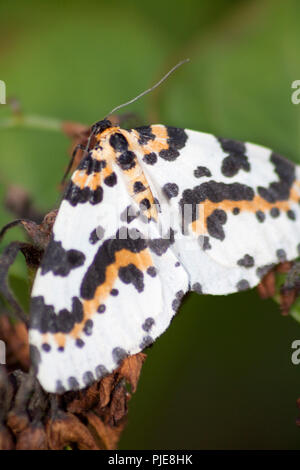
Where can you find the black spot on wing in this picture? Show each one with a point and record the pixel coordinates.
(59, 388)
(160, 245)
(145, 204)
(88, 378)
(111, 180)
(138, 187)
(132, 275)
(118, 142)
(127, 160)
(44, 319)
(73, 383)
(148, 324)
(233, 147)
(203, 241)
(96, 235)
(214, 192)
(177, 301)
(35, 357)
(281, 255)
(214, 222)
(101, 371)
(279, 190)
(176, 140)
(233, 163)
(129, 214)
(247, 261)
(91, 165)
(146, 342)
(150, 158)
(157, 204)
(197, 288)
(145, 134)
(274, 212)
(260, 215)
(152, 271)
(243, 284)
(101, 308)
(79, 343)
(291, 214)
(60, 261)
(88, 327)
(261, 271)
(105, 256)
(119, 354)
(202, 171)
(217, 192)
(170, 190)
(236, 160)
(75, 195)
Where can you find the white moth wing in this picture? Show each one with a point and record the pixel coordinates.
(97, 296)
(242, 200)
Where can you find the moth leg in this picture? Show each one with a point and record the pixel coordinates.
(71, 162)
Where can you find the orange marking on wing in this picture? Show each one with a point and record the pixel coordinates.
(106, 133)
(136, 174)
(124, 257)
(161, 139)
(79, 178)
(60, 339)
(142, 179)
(93, 181)
(159, 131)
(258, 203)
(106, 152)
(156, 145)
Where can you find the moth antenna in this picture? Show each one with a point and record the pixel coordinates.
(149, 89)
(94, 129)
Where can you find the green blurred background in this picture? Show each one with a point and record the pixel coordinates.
(221, 377)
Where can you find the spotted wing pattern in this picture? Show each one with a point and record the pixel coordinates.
(149, 214)
(109, 283)
(234, 206)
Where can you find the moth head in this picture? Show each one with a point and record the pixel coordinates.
(101, 126)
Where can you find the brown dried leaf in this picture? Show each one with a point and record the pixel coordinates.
(32, 438)
(66, 429)
(267, 286)
(84, 400)
(108, 435)
(40, 234)
(18, 418)
(284, 267)
(130, 369)
(118, 405)
(17, 421)
(106, 388)
(6, 438)
(16, 340)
